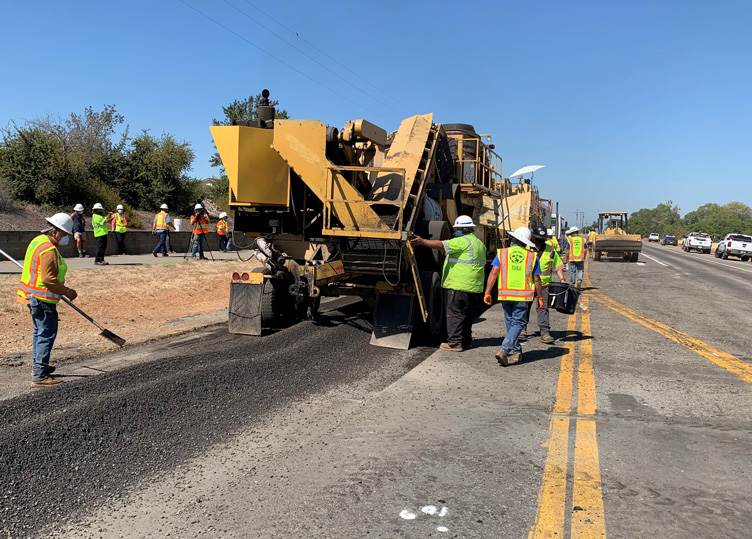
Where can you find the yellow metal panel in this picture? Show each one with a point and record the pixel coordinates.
(257, 174)
(367, 130)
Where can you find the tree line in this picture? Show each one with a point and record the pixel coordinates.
(713, 219)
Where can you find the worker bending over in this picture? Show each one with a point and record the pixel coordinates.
(462, 277)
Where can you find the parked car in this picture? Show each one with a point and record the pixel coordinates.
(735, 245)
(697, 241)
(654, 237)
(669, 240)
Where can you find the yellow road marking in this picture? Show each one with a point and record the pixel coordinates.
(585, 377)
(588, 518)
(563, 403)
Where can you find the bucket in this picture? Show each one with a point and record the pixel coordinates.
(178, 224)
(563, 297)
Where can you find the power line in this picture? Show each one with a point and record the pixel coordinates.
(314, 47)
(281, 61)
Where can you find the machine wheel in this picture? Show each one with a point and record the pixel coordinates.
(745, 258)
(275, 301)
(597, 256)
(717, 253)
(439, 230)
(431, 283)
(724, 255)
(634, 257)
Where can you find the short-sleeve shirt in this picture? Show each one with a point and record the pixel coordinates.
(168, 220)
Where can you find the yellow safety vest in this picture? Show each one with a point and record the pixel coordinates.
(550, 262)
(515, 281)
(162, 221)
(100, 225)
(120, 223)
(464, 271)
(31, 281)
(576, 248)
(555, 243)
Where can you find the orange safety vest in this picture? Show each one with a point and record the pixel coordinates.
(576, 248)
(515, 281)
(31, 283)
(222, 227)
(162, 221)
(203, 224)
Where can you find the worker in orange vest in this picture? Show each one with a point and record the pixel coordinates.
(200, 225)
(161, 227)
(223, 233)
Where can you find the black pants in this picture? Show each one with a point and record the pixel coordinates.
(460, 316)
(121, 242)
(101, 248)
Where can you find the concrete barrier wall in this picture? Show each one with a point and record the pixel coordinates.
(136, 243)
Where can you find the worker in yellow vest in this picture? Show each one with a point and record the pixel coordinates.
(516, 273)
(120, 224)
(575, 255)
(462, 277)
(99, 224)
(161, 226)
(223, 233)
(550, 263)
(41, 285)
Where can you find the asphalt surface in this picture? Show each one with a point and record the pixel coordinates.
(310, 432)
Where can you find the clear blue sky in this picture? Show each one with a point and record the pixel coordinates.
(628, 104)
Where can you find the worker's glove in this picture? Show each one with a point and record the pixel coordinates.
(71, 294)
(487, 298)
(541, 304)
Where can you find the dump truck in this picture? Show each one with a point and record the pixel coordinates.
(330, 213)
(613, 239)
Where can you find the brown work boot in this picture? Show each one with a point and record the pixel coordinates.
(523, 335)
(578, 284)
(451, 347)
(47, 382)
(517, 358)
(547, 339)
(502, 358)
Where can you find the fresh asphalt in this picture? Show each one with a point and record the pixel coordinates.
(309, 431)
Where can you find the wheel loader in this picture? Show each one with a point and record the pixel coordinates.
(613, 238)
(330, 212)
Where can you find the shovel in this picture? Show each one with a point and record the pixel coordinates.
(106, 333)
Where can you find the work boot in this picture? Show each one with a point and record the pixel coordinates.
(47, 382)
(451, 347)
(155, 254)
(502, 358)
(547, 339)
(523, 335)
(517, 358)
(578, 284)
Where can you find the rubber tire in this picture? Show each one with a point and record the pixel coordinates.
(717, 253)
(635, 257)
(745, 258)
(274, 300)
(597, 257)
(431, 283)
(724, 256)
(439, 230)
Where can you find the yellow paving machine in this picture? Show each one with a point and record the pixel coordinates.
(330, 212)
(613, 238)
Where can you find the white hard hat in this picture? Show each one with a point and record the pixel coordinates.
(523, 234)
(222, 215)
(164, 207)
(119, 207)
(572, 230)
(97, 206)
(550, 231)
(61, 221)
(463, 221)
(198, 207)
(78, 207)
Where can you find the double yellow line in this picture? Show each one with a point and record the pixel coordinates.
(586, 509)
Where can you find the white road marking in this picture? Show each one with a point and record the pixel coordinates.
(407, 514)
(712, 260)
(442, 529)
(443, 512)
(654, 260)
(430, 509)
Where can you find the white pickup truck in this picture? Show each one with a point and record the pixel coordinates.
(735, 245)
(697, 241)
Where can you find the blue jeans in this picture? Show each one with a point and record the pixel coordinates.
(198, 245)
(515, 318)
(222, 242)
(121, 242)
(44, 318)
(162, 245)
(578, 268)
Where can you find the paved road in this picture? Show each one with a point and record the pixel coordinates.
(637, 422)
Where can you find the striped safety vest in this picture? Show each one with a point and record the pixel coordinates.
(576, 248)
(222, 227)
(120, 223)
(161, 221)
(203, 224)
(550, 262)
(31, 281)
(100, 225)
(515, 281)
(464, 271)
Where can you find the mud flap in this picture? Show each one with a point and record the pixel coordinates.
(393, 321)
(245, 308)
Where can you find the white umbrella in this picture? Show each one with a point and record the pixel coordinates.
(525, 170)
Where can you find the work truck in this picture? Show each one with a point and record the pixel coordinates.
(330, 212)
(735, 245)
(612, 238)
(697, 241)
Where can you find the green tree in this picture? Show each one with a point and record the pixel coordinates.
(663, 219)
(719, 220)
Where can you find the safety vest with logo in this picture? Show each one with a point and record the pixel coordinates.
(161, 221)
(200, 225)
(515, 281)
(550, 262)
(120, 223)
(464, 266)
(222, 227)
(576, 248)
(99, 223)
(31, 281)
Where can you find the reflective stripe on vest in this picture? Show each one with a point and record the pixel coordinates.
(200, 225)
(120, 223)
(464, 271)
(31, 282)
(550, 262)
(515, 281)
(100, 225)
(222, 227)
(161, 221)
(576, 251)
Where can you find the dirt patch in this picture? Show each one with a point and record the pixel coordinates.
(140, 304)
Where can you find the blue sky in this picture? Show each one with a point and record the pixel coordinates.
(628, 104)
